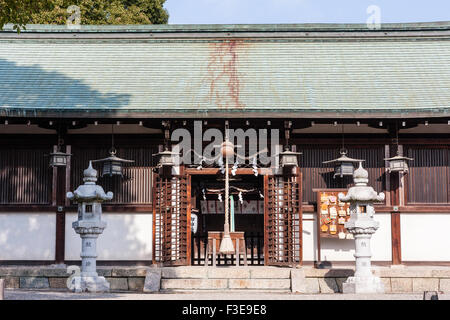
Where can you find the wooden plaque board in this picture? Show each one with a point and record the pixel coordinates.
(331, 217)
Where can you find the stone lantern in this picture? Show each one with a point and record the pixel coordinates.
(89, 226)
(362, 225)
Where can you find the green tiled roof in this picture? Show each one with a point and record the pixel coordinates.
(296, 70)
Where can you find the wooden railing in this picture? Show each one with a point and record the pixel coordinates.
(254, 243)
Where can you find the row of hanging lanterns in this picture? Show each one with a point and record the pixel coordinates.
(343, 166)
(111, 165)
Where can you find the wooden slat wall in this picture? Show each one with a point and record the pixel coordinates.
(429, 174)
(133, 188)
(319, 175)
(25, 176)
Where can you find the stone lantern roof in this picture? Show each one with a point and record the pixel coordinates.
(89, 191)
(361, 191)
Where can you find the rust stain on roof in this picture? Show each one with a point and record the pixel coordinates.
(223, 76)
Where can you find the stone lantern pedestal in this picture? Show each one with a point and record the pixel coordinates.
(362, 225)
(89, 226)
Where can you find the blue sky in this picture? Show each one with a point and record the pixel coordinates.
(303, 11)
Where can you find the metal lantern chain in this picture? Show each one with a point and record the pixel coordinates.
(399, 163)
(343, 166)
(113, 150)
(112, 165)
(59, 158)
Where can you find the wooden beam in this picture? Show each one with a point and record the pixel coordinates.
(266, 220)
(54, 181)
(62, 186)
(396, 238)
(387, 154)
(153, 220)
(60, 216)
(188, 227)
(300, 213)
(396, 194)
(216, 171)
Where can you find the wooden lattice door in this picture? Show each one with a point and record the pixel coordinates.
(171, 220)
(283, 220)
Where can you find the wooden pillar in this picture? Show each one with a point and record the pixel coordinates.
(266, 220)
(396, 197)
(300, 213)
(60, 190)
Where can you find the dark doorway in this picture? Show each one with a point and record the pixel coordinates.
(247, 191)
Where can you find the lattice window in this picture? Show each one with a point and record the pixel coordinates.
(283, 222)
(171, 216)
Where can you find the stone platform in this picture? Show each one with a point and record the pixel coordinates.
(244, 279)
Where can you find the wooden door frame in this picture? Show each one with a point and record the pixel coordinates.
(264, 172)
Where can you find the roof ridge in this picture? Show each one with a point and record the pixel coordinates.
(185, 28)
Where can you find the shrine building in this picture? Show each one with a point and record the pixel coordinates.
(306, 104)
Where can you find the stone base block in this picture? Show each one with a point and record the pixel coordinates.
(89, 284)
(58, 283)
(273, 284)
(191, 284)
(2, 288)
(152, 281)
(34, 283)
(136, 284)
(118, 284)
(363, 285)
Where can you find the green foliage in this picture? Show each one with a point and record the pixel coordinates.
(21, 12)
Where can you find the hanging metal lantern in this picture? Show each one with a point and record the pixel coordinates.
(398, 163)
(288, 158)
(343, 166)
(113, 165)
(59, 158)
(166, 158)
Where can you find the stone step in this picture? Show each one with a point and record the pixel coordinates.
(226, 284)
(193, 272)
(182, 279)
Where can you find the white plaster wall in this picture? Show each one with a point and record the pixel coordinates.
(126, 237)
(425, 237)
(25, 236)
(343, 250)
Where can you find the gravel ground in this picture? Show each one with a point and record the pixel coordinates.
(64, 295)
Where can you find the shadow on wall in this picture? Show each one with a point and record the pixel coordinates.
(27, 236)
(24, 88)
(126, 237)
